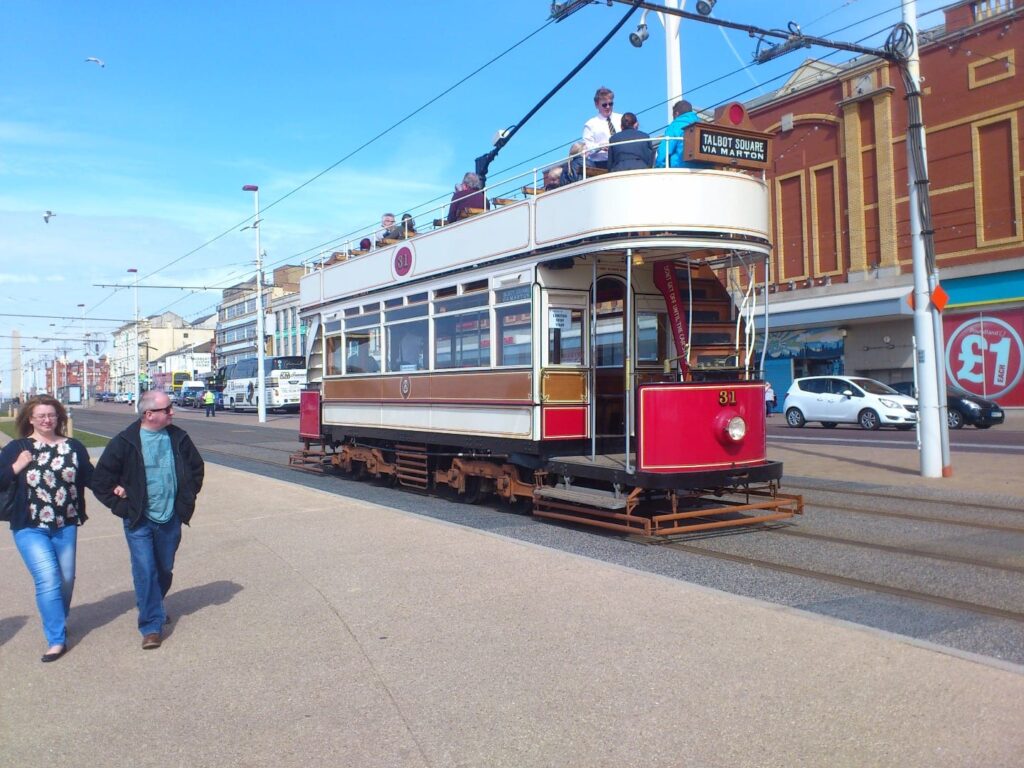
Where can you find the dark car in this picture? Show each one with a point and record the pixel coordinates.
(962, 407)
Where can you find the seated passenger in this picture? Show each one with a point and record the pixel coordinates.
(361, 361)
(636, 153)
(683, 117)
(407, 225)
(572, 169)
(387, 223)
(410, 352)
(467, 195)
(553, 178)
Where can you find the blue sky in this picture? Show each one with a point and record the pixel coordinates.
(143, 160)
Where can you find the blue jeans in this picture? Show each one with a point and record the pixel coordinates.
(152, 547)
(49, 556)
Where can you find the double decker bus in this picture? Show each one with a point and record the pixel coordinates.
(284, 378)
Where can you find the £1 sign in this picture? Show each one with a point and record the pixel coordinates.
(984, 356)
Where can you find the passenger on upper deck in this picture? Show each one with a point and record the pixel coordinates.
(683, 116)
(408, 225)
(599, 129)
(467, 195)
(553, 177)
(387, 223)
(572, 169)
(637, 153)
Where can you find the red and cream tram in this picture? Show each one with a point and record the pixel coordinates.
(584, 352)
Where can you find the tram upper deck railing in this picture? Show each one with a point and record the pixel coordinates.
(685, 207)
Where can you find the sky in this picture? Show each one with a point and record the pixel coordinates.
(337, 110)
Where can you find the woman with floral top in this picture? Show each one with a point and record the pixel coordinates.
(50, 472)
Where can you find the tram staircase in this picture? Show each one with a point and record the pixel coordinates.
(713, 333)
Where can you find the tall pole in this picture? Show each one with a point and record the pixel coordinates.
(925, 360)
(85, 360)
(135, 345)
(673, 64)
(261, 405)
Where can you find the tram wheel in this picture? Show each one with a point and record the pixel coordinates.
(474, 491)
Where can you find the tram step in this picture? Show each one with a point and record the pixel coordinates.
(411, 466)
(589, 496)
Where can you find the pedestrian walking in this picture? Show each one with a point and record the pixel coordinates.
(149, 475)
(210, 401)
(47, 473)
(769, 399)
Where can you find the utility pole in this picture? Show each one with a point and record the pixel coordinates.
(261, 405)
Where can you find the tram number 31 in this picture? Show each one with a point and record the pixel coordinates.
(727, 397)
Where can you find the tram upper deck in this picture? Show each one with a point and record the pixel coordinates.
(666, 212)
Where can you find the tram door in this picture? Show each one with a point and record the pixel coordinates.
(609, 357)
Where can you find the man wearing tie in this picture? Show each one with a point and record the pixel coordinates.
(599, 129)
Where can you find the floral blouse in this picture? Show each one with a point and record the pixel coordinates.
(50, 477)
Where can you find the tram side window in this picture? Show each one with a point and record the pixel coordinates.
(652, 345)
(515, 335)
(362, 348)
(407, 344)
(332, 356)
(565, 336)
(463, 340)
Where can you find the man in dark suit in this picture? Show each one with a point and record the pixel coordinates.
(630, 148)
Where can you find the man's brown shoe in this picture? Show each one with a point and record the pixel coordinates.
(151, 641)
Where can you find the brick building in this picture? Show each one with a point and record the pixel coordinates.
(841, 271)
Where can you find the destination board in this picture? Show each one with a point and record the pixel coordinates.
(727, 146)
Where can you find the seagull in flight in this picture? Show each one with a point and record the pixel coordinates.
(94, 60)
(48, 215)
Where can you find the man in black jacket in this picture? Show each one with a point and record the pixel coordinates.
(149, 475)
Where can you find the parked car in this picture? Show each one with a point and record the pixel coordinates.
(218, 401)
(836, 400)
(962, 407)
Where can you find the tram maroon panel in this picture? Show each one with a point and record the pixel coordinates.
(309, 414)
(683, 427)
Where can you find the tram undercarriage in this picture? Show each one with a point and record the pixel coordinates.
(574, 489)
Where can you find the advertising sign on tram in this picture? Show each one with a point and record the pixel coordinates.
(985, 354)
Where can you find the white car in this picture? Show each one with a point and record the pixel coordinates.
(848, 400)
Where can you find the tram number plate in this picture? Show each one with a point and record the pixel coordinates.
(727, 397)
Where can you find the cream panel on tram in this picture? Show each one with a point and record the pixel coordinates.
(459, 245)
(479, 420)
(679, 199)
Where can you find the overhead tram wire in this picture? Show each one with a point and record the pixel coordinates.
(355, 151)
(342, 238)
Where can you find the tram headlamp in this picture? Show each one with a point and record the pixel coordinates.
(736, 428)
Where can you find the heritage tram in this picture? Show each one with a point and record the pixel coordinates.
(585, 353)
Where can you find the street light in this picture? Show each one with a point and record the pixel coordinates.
(135, 346)
(85, 360)
(704, 7)
(261, 406)
(673, 63)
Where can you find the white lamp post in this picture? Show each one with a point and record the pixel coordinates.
(85, 360)
(135, 344)
(261, 406)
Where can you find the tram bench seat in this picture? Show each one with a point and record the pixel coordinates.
(594, 171)
(504, 200)
(532, 190)
(438, 223)
(465, 213)
(388, 241)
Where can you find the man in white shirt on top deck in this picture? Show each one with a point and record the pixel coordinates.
(599, 129)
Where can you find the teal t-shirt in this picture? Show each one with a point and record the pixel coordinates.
(161, 481)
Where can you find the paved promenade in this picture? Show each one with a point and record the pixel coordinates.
(314, 630)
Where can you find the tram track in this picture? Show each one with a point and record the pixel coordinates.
(847, 581)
